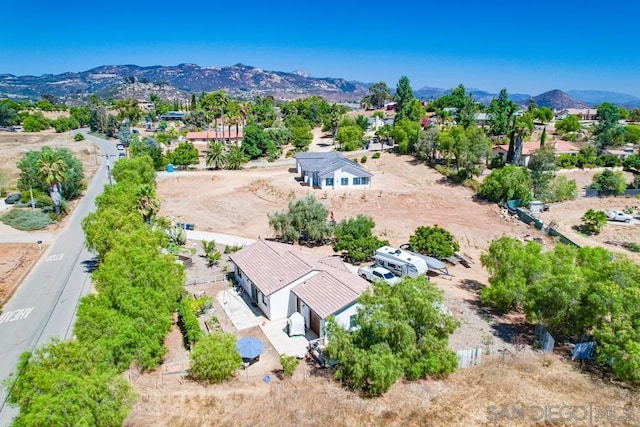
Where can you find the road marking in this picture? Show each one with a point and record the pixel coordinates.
(56, 257)
(13, 315)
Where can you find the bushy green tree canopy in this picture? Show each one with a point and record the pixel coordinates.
(400, 330)
(434, 241)
(508, 183)
(214, 358)
(574, 292)
(354, 236)
(305, 219)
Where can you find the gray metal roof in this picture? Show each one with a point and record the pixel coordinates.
(325, 163)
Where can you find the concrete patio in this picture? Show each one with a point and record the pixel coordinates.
(243, 315)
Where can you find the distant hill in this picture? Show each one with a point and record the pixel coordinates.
(481, 96)
(595, 97)
(238, 80)
(557, 99)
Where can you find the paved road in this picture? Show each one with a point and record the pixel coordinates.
(44, 306)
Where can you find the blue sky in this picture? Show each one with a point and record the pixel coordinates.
(527, 47)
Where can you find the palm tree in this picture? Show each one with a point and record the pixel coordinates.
(236, 159)
(216, 156)
(148, 205)
(52, 171)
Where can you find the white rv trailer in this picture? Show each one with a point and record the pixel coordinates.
(399, 262)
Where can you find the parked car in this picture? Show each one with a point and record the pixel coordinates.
(375, 273)
(618, 216)
(13, 198)
(120, 147)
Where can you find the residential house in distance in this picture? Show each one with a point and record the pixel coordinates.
(621, 152)
(583, 114)
(282, 279)
(528, 148)
(172, 116)
(331, 171)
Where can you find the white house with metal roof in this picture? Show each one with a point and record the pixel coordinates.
(282, 279)
(332, 171)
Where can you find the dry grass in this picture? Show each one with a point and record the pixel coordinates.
(461, 399)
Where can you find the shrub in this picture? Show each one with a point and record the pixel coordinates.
(594, 221)
(26, 219)
(609, 180)
(507, 183)
(188, 324)
(363, 159)
(561, 188)
(434, 241)
(289, 364)
(78, 137)
(634, 247)
(230, 249)
(215, 358)
(472, 183)
(376, 155)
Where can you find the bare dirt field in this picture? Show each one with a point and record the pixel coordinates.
(404, 195)
(16, 259)
(508, 388)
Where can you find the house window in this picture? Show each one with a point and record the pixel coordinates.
(264, 299)
(356, 180)
(344, 181)
(329, 181)
(364, 180)
(352, 321)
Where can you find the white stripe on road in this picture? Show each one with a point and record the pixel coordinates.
(56, 257)
(13, 315)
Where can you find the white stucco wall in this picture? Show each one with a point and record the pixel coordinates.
(344, 317)
(337, 176)
(282, 302)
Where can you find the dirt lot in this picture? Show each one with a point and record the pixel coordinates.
(507, 389)
(17, 259)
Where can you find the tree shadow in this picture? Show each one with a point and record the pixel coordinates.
(472, 285)
(90, 265)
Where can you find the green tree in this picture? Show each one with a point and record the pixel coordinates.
(513, 267)
(301, 137)
(405, 133)
(135, 171)
(216, 156)
(632, 162)
(562, 188)
(255, 142)
(8, 115)
(128, 109)
(544, 114)
(542, 167)
(214, 358)
(52, 171)
(427, 145)
(508, 183)
(148, 204)
(68, 383)
(30, 176)
(403, 98)
(500, 111)
(124, 134)
(185, 154)
(609, 181)
(147, 147)
(594, 221)
(235, 159)
(434, 241)
(196, 119)
(354, 237)
(569, 124)
(379, 94)
(632, 134)
(608, 131)
(305, 219)
(470, 148)
(400, 329)
(289, 364)
(350, 138)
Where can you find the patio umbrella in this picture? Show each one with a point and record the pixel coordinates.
(249, 347)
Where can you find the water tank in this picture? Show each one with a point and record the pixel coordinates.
(169, 167)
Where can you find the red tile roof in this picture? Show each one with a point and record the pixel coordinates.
(215, 134)
(531, 147)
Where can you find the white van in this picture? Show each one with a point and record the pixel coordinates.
(399, 262)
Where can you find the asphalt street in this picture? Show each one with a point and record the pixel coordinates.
(45, 304)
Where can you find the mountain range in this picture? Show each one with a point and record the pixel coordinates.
(177, 83)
